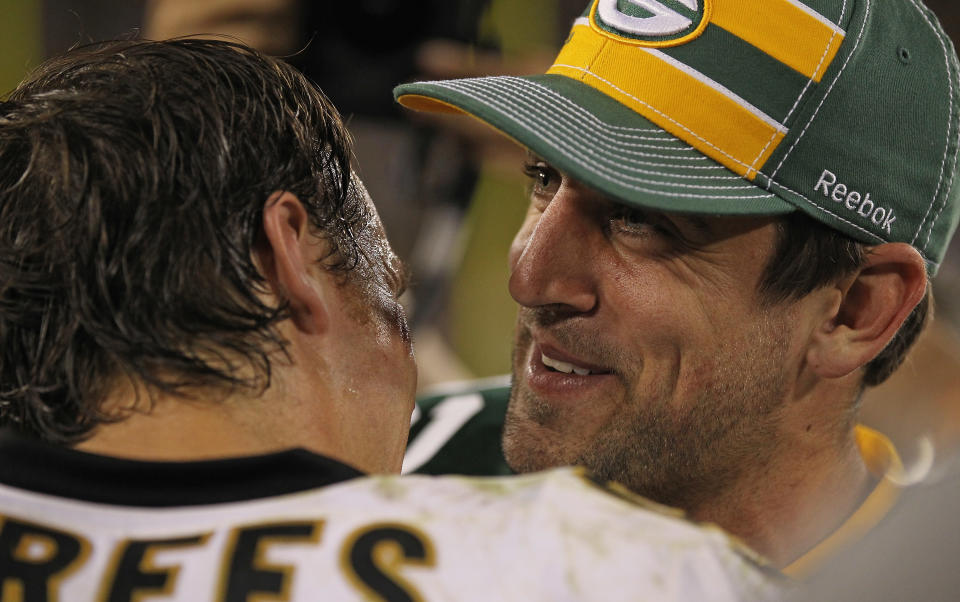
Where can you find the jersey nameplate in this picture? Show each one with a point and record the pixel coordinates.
(35, 559)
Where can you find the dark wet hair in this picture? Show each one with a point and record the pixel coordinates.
(133, 177)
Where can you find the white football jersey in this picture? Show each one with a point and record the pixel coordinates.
(551, 536)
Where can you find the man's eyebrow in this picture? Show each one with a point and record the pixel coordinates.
(695, 222)
(698, 222)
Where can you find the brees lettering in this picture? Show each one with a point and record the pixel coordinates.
(36, 560)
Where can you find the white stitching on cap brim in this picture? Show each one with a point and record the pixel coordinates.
(565, 108)
(610, 130)
(513, 104)
(562, 113)
(549, 136)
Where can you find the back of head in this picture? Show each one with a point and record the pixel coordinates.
(132, 180)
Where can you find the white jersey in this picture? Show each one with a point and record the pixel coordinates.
(550, 536)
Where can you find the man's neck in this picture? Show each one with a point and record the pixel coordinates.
(798, 498)
(167, 428)
(293, 412)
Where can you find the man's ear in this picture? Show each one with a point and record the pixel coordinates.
(285, 254)
(874, 303)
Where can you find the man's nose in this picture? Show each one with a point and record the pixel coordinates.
(552, 259)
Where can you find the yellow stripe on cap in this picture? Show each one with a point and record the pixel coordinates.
(694, 109)
(786, 30)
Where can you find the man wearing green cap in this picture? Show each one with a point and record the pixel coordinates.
(735, 210)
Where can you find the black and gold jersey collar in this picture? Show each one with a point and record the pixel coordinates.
(29, 464)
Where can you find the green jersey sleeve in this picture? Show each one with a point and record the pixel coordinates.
(457, 431)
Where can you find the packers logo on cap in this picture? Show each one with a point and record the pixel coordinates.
(650, 23)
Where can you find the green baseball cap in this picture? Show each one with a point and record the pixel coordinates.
(846, 110)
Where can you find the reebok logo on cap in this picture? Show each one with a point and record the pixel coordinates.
(854, 201)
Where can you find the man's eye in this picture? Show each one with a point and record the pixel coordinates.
(629, 218)
(632, 221)
(544, 179)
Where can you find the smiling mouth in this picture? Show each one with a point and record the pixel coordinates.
(555, 365)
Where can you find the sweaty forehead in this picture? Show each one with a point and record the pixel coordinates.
(376, 246)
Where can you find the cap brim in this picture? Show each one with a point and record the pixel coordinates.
(600, 142)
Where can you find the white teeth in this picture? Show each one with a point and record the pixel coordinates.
(564, 367)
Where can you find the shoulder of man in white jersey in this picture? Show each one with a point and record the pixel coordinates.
(548, 536)
(565, 534)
